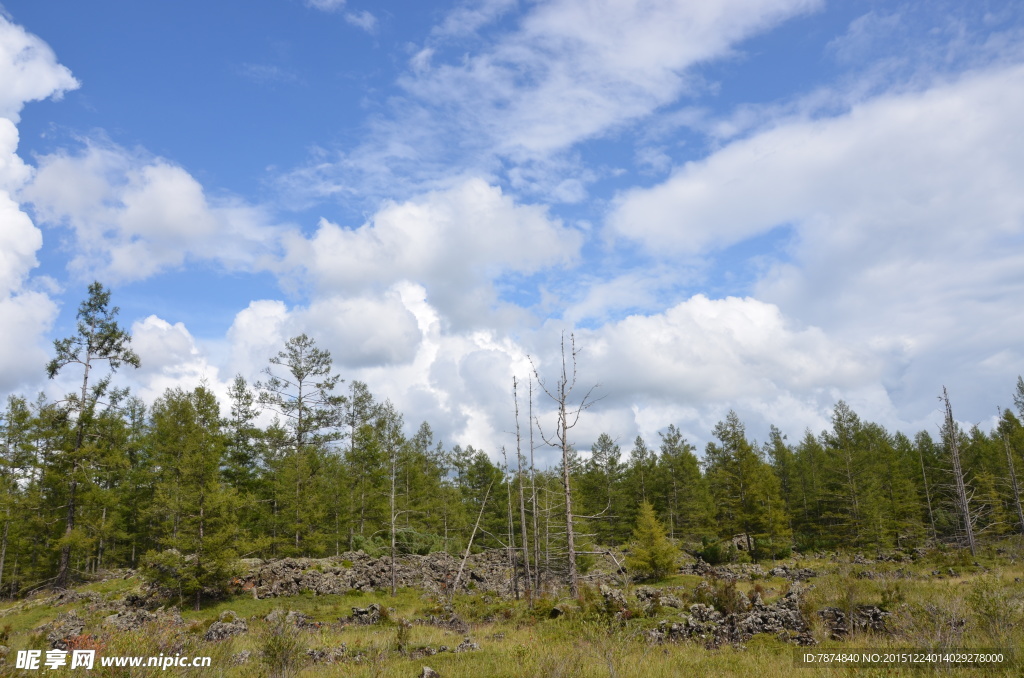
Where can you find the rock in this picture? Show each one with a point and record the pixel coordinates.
(613, 597)
(227, 625)
(792, 573)
(61, 630)
(366, 615)
(864, 618)
(433, 573)
(129, 620)
(240, 658)
(327, 656)
(291, 618)
(466, 646)
(428, 672)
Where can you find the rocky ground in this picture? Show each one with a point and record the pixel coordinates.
(801, 602)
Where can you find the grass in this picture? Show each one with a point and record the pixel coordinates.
(982, 606)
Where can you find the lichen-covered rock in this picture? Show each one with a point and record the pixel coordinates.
(613, 597)
(327, 655)
(864, 618)
(466, 645)
(61, 630)
(227, 625)
(433, 573)
(365, 615)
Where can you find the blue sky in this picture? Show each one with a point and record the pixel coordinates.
(759, 205)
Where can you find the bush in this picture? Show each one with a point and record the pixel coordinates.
(374, 546)
(418, 543)
(715, 552)
(281, 648)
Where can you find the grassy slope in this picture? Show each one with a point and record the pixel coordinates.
(586, 641)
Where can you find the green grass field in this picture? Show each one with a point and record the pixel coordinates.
(977, 606)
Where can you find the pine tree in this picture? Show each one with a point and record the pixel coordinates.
(300, 390)
(682, 488)
(194, 511)
(99, 339)
(745, 489)
(651, 554)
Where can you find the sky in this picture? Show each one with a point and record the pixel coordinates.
(755, 205)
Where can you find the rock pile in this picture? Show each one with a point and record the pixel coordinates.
(433, 573)
(127, 618)
(792, 573)
(709, 626)
(61, 631)
(227, 625)
(864, 618)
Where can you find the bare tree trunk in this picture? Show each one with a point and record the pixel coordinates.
(533, 499)
(522, 504)
(1009, 463)
(928, 495)
(510, 545)
(570, 536)
(476, 525)
(394, 473)
(3, 550)
(564, 388)
(963, 503)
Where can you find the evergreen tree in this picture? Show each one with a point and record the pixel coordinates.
(193, 510)
(300, 390)
(651, 554)
(99, 339)
(745, 489)
(601, 492)
(682, 488)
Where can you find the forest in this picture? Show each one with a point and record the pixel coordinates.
(183, 488)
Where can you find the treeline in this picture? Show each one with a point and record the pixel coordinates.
(185, 487)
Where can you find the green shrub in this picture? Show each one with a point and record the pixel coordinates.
(281, 648)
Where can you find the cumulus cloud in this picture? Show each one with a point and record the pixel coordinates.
(907, 222)
(171, 358)
(28, 69)
(29, 72)
(133, 215)
(454, 242)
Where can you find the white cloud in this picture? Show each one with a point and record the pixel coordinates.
(134, 216)
(25, 318)
(907, 220)
(29, 72)
(569, 71)
(363, 330)
(326, 5)
(455, 242)
(28, 69)
(171, 358)
(362, 19)
(470, 17)
(576, 69)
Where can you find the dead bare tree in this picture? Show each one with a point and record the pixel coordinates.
(1013, 483)
(510, 545)
(476, 526)
(533, 498)
(568, 417)
(962, 500)
(527, 584)
(927, 494)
